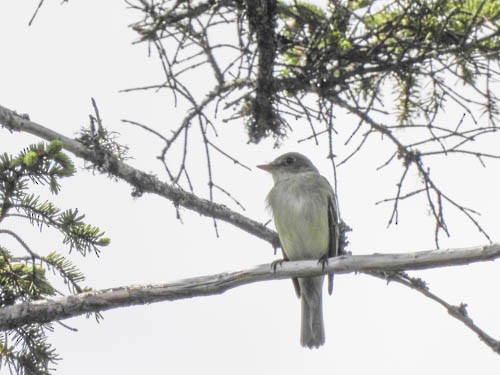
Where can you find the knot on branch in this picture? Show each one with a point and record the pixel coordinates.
(409, 156)
(459, 311)
(106, 150)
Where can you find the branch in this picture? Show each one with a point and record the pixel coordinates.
(141, 181)
(414, 157)
(62, 308)
(374, 265)
(458, 312)
(262, 19)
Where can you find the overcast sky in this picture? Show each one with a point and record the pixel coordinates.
(82, 50)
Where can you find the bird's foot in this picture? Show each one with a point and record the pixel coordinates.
(323, 261)
(276, 263)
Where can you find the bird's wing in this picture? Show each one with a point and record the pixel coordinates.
(295, 281)
(334, 231)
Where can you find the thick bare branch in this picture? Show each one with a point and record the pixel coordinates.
(62, 308)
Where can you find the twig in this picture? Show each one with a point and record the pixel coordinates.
(458, 312)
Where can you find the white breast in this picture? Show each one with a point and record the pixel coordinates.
(300, 211)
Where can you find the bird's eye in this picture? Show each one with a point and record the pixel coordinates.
(289, 160)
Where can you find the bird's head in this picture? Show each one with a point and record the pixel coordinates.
(287, 165)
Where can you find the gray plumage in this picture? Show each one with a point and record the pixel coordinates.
(305, 214)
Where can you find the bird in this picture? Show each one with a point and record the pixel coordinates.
(305, 212)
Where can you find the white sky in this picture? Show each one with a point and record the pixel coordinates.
(83, 50)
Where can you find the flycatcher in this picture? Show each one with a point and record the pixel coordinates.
(305, 213)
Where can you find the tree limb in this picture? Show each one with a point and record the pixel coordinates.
(62, 308)
(381, 266)
(141, 181)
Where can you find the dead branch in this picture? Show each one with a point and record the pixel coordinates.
(62, 308)
(141, 181)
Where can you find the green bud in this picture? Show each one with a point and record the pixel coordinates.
(54, 147)
(345, 45)
(104, 241)
(30, 158)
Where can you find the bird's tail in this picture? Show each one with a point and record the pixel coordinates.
(312, 331)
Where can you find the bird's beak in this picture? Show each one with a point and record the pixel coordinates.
(266, 167)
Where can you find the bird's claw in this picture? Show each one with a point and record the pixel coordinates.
(323, 261)
(276, 263)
